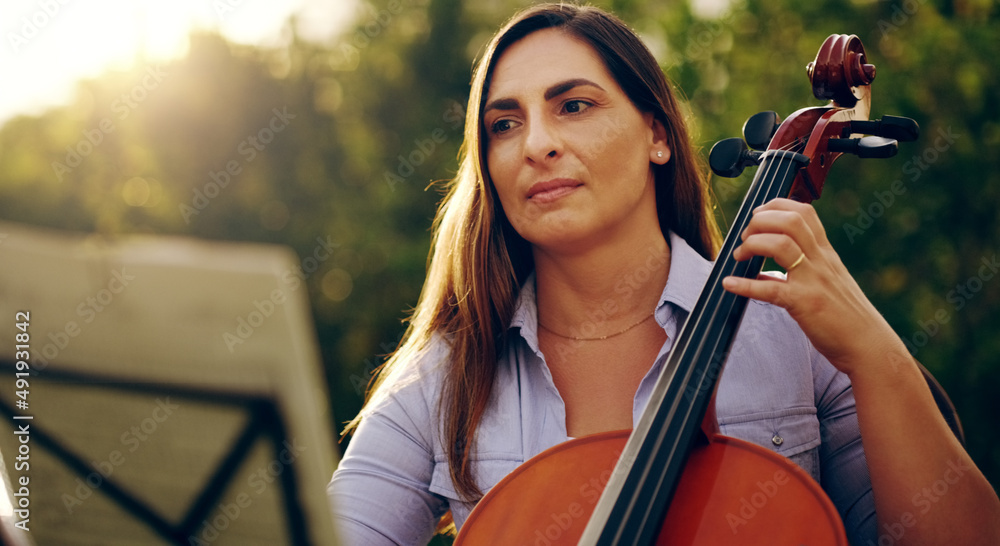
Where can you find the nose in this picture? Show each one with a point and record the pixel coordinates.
(542, 142)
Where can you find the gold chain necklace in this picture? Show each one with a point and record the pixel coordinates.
(601, 338)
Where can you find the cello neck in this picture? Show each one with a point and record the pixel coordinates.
(640, 489)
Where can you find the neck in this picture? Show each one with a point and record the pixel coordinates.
(602, 290)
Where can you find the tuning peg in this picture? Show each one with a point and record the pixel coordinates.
(729, 157)
(869, 146)
(759, 129)
(894, 127)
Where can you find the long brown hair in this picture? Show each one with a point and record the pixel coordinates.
(478, 263)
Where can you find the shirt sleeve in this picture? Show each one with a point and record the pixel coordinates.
(380, 490)
(844, 470)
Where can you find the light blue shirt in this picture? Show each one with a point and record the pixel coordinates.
(777, 391)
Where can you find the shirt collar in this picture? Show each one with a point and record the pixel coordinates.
(526, 313)
(688, 273)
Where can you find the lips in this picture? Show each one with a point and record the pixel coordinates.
(551, 190)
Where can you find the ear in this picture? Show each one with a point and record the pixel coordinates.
(659, 150)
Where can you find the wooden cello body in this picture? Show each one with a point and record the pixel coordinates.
(675, 479)
(734, 492)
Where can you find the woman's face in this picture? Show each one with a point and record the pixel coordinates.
(569, 154)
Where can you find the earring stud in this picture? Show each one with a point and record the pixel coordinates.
(659, 154)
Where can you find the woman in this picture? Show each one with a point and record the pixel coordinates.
(568, 251)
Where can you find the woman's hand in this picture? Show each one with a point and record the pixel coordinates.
(908, 445)
(818, 291)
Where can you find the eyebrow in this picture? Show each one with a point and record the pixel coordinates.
(560, 88)
(550, 93)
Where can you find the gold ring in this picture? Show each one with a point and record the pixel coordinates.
(796, 262)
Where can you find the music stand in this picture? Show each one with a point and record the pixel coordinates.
(175, 397)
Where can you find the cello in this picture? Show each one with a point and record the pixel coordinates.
(675, 479)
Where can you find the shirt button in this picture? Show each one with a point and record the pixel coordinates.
(777, 440)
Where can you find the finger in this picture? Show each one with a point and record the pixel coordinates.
(786, 222)
(764, 288)
(780, 247)
(798, 261)
(806, 213)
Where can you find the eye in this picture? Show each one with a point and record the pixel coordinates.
(576, 106)
(501, 126)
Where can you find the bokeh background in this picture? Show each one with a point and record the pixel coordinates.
(335, 118)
